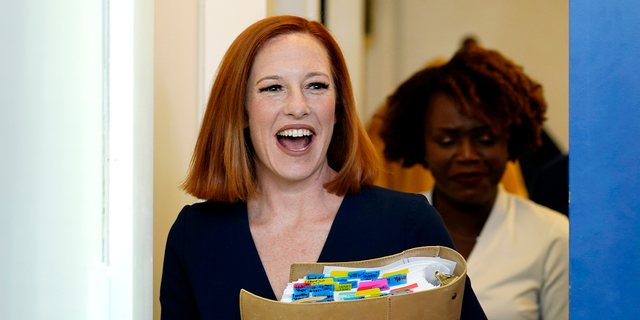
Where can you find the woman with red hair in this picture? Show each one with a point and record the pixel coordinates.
(286, 169)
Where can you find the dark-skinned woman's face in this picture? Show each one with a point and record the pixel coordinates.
(467, 158)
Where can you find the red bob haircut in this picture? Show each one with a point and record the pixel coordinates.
(222, 167)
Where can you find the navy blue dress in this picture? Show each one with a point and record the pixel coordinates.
(210, 253)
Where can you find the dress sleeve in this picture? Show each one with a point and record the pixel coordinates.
(554, 293)
(176, 295)
(426, 228)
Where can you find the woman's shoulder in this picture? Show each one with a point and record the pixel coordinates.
(208, 214)
(380, 194)
(534, 214)
(382, 201)
(213, 209)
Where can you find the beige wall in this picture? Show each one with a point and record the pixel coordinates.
(175, 118)
(534, 34)
(406, 35)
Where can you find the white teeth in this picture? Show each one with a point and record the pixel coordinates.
(295, 133)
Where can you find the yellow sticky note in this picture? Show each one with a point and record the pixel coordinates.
(368, 292)
(320, 281)
(339, 274)
(403, 271)
(343, 287)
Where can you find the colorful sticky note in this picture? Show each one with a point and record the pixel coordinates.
(387, 275)
(298, 296)
(382, 284)
(315, 276)
(337, 273)
(320, 281)
(354, 283)
(348, 294)
(300, 285)
(355, 274)
(322, 287)
(327, 293)
(302, 290)
(402, 291)
(411, 286)
(371, 275)
(370, 292)
(396, 280)
(343, 287)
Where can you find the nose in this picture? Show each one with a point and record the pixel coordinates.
(296, 105)
(466, 151)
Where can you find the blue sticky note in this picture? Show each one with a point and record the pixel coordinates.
(371, 275)
(397, 280)
(340, 279)
(298, 296)
(315, 276)
(301, 290)
(327, 293)
(355, 274)
(354, 283)
(321, 287)
(401, 292)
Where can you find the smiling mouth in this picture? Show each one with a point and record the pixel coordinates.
(295, 139)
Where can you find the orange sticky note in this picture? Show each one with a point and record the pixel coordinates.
(409, 287)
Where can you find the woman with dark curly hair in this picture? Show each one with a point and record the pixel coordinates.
(464, 120)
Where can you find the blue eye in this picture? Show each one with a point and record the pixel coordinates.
(271, 88)
(318, 85)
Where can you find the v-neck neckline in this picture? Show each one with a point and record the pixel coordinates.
(493, 220)
(254, 248)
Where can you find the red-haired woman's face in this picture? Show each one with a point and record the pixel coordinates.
(466, 157)
(291, 100)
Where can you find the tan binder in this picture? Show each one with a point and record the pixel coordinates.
(435, 304)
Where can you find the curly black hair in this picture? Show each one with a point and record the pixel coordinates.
(486, 86)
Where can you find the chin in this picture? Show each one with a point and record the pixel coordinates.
(474, 197)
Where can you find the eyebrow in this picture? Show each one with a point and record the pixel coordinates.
(274, 77)
(309, 75)
(477, 129)
(314, 74)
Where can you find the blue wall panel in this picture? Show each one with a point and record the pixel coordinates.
(604, 170)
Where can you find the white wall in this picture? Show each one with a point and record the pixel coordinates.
(50, 158)
(345, 20)
(309, 9)
(61, 257)
(534, 34)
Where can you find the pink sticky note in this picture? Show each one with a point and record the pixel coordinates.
(382, 284)
(300, 285)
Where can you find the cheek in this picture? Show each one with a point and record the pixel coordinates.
(327, 110)
(497, 157)
(437, 158)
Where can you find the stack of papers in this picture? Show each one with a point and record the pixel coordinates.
(342, 283)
